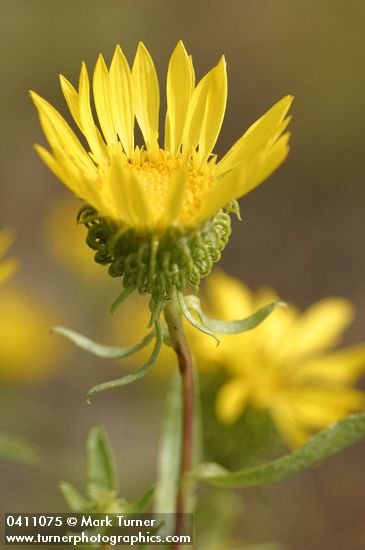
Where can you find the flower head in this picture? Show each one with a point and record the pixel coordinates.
(165, 206)
(285, 366)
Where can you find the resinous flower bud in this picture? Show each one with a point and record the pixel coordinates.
(157, 216)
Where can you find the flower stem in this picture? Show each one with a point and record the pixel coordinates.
(181, 347)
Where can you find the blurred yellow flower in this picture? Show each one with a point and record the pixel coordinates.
(65, 243)
(27, 353)
(152, 188)
(285, 366)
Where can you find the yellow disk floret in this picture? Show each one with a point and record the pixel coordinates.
(155, 169)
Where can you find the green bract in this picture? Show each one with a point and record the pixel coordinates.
(156, 263)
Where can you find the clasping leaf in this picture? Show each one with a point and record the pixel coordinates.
(328, 442)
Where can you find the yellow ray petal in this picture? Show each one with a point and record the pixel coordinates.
(319, 327)
(129, 195)
(76, 180)
(146, 94)
(180, 85)
(232, 400)
(261, 167)
(195, 114)
(102, 99)
(319, 407)
(175, 195)
(256, 136)
(60, 135)
(7, 269)
(89, 129)
(341, 367)
(192, 70)
(167, 133)
(94, 193)
(56, 169)
(122, 100)
(72, 99)
(289, 426)
(272, 335)
(214, 110)
(230, 298)
(254, 172)
(223, 192)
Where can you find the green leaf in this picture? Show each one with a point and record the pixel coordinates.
(168, 458)
(328, 442)
(129, 378)
(231, 327)
(101, 473)
(75, 501)
(140, 504)
(189, 317)
(101, 350)
(15, 448)
(121, 298)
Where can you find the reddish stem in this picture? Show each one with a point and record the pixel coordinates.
(181, 347)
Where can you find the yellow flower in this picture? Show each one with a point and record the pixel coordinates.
(159, 217)
(27, 353)
(285, 366)
(65, 244)
(149, 187)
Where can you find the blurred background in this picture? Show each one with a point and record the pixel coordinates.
(301, 234)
